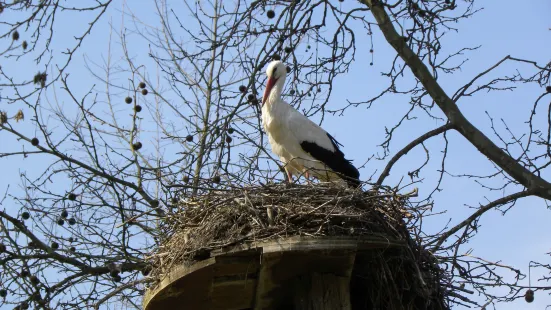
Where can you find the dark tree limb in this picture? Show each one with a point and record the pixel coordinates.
(409, 147)
(532, 182)
(496, 203)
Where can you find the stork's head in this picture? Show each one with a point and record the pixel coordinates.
(276, 72)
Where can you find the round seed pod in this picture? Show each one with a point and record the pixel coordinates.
(529, 296)
(216, 179)
(34, 279)
(146, 270)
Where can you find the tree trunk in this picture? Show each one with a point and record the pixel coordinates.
(317, 291)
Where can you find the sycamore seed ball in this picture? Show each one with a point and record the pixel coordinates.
(529, 296)
(146, 270)
(34, 280)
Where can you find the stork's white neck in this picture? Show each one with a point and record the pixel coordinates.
(275, 94)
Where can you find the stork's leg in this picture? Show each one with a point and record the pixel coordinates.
(289, 176)
(307, 175)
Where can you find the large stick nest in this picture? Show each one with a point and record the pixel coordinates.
(221, 219)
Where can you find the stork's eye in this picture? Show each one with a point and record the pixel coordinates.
(274, 71)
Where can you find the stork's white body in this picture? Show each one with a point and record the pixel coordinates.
(303, 146)
(286, 128)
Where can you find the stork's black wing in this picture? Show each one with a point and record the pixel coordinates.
(334, 160)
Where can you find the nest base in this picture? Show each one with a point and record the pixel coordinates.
(293, 273)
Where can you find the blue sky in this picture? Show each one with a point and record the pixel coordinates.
(501, 29)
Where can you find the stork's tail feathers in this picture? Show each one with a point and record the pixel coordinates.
(335, 161)
(349, 173)
(344, 167)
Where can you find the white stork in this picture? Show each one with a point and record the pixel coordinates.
(303, 147)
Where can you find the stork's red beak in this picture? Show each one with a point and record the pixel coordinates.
(269, 86)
